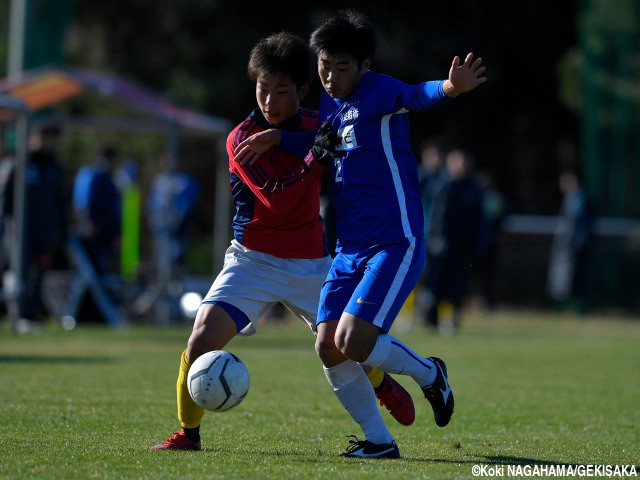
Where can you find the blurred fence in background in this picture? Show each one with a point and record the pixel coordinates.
(613, 267)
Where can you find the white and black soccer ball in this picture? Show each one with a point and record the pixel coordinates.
(218, 381)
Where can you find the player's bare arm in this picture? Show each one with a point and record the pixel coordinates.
(464, 78)
(251, 148)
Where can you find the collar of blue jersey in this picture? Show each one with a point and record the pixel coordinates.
(291, 123)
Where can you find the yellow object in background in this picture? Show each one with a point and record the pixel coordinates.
(130, 243)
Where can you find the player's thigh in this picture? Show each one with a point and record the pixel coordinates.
(337, 290)
(249, 281)
(390, 275)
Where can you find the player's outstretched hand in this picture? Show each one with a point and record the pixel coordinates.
(464, 78)
(249, 151)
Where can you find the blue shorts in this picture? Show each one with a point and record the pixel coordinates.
(372, 283)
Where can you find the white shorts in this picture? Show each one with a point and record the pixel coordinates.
(253, 282)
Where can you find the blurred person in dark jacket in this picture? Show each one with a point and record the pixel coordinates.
(486, 263)
(46, 218)
(432, 175)
(453, 237)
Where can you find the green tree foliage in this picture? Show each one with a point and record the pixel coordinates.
(196, 52)
(609, 71)
(4, 36)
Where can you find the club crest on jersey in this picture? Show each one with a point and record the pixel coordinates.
(350, 114)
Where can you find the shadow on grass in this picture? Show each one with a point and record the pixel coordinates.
(493, 460)
(53, 359)
(498, 460)
(510, 460)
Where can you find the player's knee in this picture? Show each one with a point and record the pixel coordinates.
(349, 346)
(196, 346)
(325, 349)
(328, 352)
(212, 330)
(321, 350)
(356, 339)
(355, 353)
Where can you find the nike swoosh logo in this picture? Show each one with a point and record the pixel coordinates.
(447, 391)
(377, 454)
(364, 302)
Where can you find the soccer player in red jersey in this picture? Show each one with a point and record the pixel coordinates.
(278, 253)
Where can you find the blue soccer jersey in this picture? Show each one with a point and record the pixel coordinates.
(376, 188)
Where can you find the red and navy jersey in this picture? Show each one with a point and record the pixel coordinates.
(277, 199)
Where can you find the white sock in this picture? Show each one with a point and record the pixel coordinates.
(353, 389)
(391, 355)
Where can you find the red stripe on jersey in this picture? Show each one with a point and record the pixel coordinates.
(277, 199)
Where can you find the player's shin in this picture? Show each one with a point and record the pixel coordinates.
(189, 413)
(375, 375)
(392, 356)
(356, 394)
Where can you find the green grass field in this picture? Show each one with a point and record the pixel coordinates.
(531, 389)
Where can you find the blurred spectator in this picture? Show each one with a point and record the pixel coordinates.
(455, 225)
(493, 210)
(6, 169)
(98, 211)
(171, 206)
(570, 246)
(432, 175)
(46, 219)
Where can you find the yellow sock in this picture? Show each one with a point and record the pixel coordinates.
(445, 310)
(375, 377)
(189, 413)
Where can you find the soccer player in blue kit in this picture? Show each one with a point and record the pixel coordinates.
(380, 253)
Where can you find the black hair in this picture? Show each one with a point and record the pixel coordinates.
(347, 32)
(109, 152)
(50, 130)
(439, 142)
(282, 52)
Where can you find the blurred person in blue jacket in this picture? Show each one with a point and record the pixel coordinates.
(97, 206)
(171, 207)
